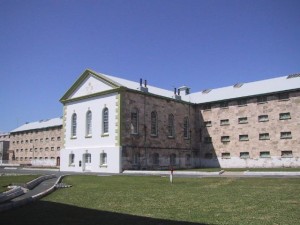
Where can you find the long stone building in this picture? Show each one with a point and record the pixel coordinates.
(37, 143)
(4, 147)
(112, 124)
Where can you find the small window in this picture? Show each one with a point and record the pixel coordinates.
(52, 139)
(224, 104)
(207, 123)
(71, 159)
(74, 125)
(264, 136)
(263, 118)
(225, 139)
(242, 102)
(207, 140)
(103, 159)
(58, 138)
(87, 158)
(283, 96)
(286, 135)
(52, 148)
(244, 155)
(187, 159)
(265, 154)
(224, 122)
(262, 99)
(286, 154)
(243, 120)
(226, 155)
(136, 158)
(285, 116)
(58, 149)
(244, 137)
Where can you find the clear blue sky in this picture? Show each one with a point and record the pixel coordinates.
(46, 45)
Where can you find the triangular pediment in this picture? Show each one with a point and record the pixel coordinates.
(89, 84)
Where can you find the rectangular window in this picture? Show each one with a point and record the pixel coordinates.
(225, 139)
(263, 118)
(244, 155)
(224, 122)
(264, 136)
(226, 155)
(286, 135)
(71, 159)
(264, 154)
(285, 116)
(134, 122)
(242, 102)
(243, 120)
(186, 128)
(283, 96)
(207, 123)
(103, 159)
(244, 137)
(261, 99)
(286, 154)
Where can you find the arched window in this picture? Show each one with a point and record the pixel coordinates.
(74, 125)
(103, 159)
(155, 159)
(105, 120)
(89, 123)
(154, 123)
(173, 159)
(171, 125)
(186, 127)
(134, 123)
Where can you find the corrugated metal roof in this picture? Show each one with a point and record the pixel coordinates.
(273, 85)
(39, 124)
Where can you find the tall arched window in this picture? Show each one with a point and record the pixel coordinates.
(171, 125)
(89, 123)
(186, 127)
(173, 159)
(74, 125)
(154, 123)
(105, 120)
(134, 123)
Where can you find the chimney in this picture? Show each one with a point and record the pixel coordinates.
(141, 82)
(145, 83)
(175, 90)
(141, 88)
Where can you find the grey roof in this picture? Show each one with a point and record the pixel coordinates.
(39, 124)
(279, 84)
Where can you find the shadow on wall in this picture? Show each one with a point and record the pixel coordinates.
(43, 212)
(208, 155)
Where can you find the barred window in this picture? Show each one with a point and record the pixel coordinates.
(285, 116)
(74, 126)
(171, 125)
(286, 135)
(105, 118)
(186, 127)
(264, 136)
(89, 123)
(134, 121)
(154, 123)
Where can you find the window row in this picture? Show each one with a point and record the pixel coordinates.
(134, 124)
(244, 120)
(36, 149)
(88, 123)
(88, 159)
(244, 101)
(246, 155)
(245, 137)
(36, 140)
(31, 158)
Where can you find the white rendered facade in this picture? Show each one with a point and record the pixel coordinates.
(91, 142)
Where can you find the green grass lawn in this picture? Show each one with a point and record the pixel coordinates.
(244, 169)
(153, 200)
(7, 180)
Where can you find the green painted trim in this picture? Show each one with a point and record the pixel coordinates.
(92, 95)
(84, 76)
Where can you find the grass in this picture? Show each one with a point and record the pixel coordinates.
(153, 200)
(7, 180)
(245, 169)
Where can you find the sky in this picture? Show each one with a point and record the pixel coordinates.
(46, 45)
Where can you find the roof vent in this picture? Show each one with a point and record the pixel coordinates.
(206, 91)
(184, 89)
(293, 76)
(145, 88)
(238, 85)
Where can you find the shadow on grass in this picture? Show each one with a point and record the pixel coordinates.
(46, 213)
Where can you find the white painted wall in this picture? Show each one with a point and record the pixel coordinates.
(97, 142)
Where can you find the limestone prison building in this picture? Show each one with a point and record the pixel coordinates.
(111, 124)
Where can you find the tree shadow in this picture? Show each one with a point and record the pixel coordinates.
(44, 212)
